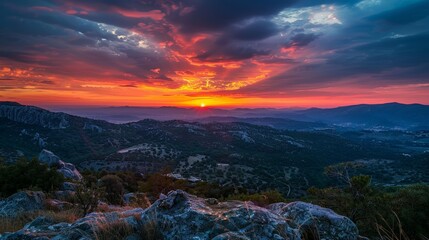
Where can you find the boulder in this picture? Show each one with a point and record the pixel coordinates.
(68, 170)
(21, 203)
(49, 158)
(316, 220)
(136, 199)
(182, 214)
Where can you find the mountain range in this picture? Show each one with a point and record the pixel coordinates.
(388, 115)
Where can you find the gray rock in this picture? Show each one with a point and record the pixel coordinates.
(22, 202)
(39, 224)
(49, 158)
(310, 217)
(68, 170)
(179, 215)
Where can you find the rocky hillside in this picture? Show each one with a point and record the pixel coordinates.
(33, 115)
(239, 155)
(179, 215)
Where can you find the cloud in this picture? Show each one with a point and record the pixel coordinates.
(388, 61)
(301, 40)
(212, 15)
(237, 47)
(231, 53)
(129, 86)
(256, 30)
(404, 15)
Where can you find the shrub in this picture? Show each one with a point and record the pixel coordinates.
(260, 199)
(87, 197)
(26, 174)
(114, 189)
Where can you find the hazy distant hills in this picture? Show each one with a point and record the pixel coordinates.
(389, 115)
(131, 114)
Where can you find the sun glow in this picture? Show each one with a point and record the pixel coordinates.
(202, 105)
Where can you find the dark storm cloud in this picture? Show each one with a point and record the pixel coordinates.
(395, 60)
(307, 3)
(212, 15)
(102, 5)
(257, 30)
(405, 15)
(17, 56)
(301, 40)
(402, 52)
(231, 53)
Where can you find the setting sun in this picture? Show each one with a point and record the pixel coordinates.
(202, 105)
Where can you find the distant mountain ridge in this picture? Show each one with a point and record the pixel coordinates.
(388, 115)
(33, 115)
(369, 115)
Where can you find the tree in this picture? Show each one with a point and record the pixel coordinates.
(87, 197)
(342, 171)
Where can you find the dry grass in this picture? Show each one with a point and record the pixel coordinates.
(150, 231)
(391, 230)
(17, 223)
(113, 231)
(146, 230)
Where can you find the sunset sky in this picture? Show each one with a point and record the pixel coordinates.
(223, 53)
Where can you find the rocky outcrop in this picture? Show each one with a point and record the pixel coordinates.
(194, 218)
(22, 203)
(33, 115)
(68, 170)
(313, 219)
(93, 127)
(179, 215)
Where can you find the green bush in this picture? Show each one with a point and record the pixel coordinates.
(114, 189)
(26, 174)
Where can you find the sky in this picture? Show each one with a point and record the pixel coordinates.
(223, 53)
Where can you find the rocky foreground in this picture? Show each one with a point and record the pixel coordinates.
(180, 215)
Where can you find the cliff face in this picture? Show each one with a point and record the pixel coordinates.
(180, 215)
(33, 115)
